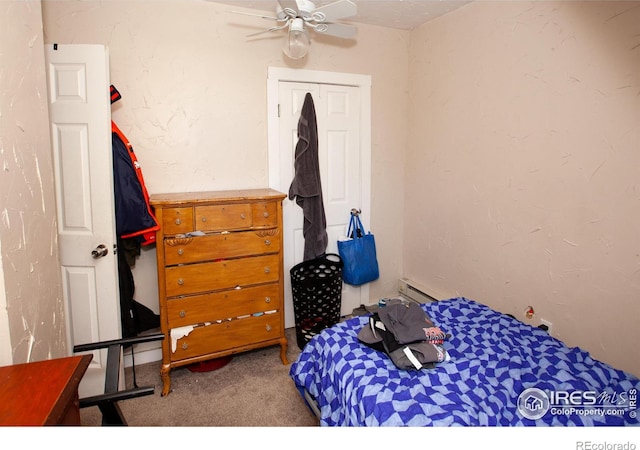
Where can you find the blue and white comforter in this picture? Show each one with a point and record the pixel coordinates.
(494, 359)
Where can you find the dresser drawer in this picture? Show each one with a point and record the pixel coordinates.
(226, 335)
(177, 220)
(265, 214)
(218, 275)
(223, 217)
(223, 305)
(218, 246)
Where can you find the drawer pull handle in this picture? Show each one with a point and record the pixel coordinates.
(204, 218)
(267, 299)
(266, 215)
(180, 252)
(267, 242)
(185, 346)
(267, 270)
(242, 216)
(180, 281)
(268, 327)
(182, 314)
(178, 221)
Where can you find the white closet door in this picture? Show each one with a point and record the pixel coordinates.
(80, 114)
(338, 113)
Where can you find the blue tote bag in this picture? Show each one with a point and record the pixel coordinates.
(358, 254)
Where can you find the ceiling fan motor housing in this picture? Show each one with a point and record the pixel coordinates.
(306, 8)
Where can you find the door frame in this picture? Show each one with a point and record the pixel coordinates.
(276, 75)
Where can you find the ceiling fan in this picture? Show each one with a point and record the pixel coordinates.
(297, 16)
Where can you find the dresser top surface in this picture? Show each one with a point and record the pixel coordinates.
(37, 393)
(205, 197)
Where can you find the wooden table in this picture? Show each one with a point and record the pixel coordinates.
(42, 393)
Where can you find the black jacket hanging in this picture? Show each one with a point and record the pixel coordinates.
(136, 225)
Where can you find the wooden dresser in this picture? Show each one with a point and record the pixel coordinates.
(220, 275)
(43, 392)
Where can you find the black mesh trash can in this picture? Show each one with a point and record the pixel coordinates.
(316, 285)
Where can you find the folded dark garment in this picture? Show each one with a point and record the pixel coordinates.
(411, 356)
(406, 320)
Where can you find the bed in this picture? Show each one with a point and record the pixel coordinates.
(500, 372)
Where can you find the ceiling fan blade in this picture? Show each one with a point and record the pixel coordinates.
(256, 15)
(340, 30)
(336, 10)
(289, 7)
(268, 30)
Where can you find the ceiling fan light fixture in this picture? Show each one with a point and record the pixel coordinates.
(296, 42)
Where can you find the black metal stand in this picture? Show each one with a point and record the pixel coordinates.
(108, 402)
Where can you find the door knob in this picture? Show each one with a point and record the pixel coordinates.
(100, 251)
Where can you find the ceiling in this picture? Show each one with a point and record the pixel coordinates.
(400, 14)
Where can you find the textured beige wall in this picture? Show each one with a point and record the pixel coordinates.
(194, 102)
(31, 270)
(523, 174)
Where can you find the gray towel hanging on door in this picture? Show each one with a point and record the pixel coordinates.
(306, 187)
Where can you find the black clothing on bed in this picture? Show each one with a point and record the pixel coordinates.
(406, 334)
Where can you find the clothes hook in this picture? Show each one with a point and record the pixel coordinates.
(355, 212)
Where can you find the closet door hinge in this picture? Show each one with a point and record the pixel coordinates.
(278, 109)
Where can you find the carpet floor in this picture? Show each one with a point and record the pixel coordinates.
(253, 390)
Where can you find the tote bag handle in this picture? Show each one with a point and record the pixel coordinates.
(355, 226)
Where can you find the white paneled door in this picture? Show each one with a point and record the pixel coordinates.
(344, 162)
(80, 115)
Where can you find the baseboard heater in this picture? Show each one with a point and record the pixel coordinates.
(415, 292)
